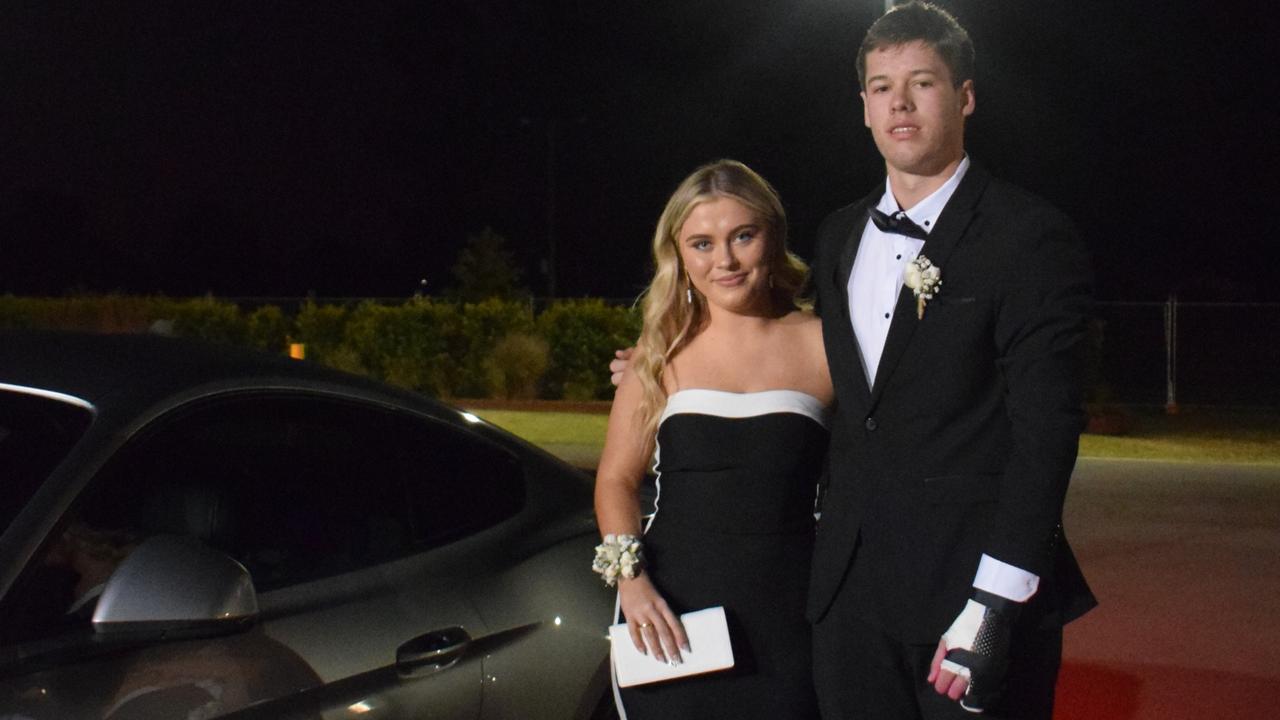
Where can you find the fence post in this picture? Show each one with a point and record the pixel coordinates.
(1171, 355)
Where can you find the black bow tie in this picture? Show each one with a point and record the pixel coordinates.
(898, 223)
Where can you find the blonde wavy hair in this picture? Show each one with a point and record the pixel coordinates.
(671, 321)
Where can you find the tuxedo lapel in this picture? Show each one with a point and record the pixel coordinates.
(851, 242)
(946, 235)
(956, 217)
(844, 267)
(847, 255)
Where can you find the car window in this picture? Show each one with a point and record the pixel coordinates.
(302, 487)
(35, 434)
(295, 487)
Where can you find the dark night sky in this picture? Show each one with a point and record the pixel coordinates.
(250, 148)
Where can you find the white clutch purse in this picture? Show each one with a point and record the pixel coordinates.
(709, 650)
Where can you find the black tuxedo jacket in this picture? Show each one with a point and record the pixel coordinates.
(966, 443)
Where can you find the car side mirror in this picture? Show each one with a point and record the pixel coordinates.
(176, 585)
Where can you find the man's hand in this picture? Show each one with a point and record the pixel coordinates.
(973, 655)
(620, 364)
(943, 681)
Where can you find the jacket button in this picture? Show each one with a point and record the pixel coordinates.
(872, 424)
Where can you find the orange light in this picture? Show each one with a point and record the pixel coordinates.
(298, 351)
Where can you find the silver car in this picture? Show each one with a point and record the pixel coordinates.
(199, 532)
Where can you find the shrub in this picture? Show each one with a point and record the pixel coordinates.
(211, 320)
(482, 326)
(269, 329)
(344, 358)
(15, 313)
(478, 349)
(406, 345)
(516, 365)
(582, 335)
(85, 313)
(123, 313)
(322, 328)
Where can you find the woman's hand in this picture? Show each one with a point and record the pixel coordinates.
(650, 621)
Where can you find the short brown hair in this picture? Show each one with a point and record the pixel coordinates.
(920, 22)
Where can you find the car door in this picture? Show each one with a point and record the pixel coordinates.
(356, 568)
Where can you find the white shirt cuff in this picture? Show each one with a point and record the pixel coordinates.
(1005, 580)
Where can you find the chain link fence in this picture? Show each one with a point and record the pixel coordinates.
(1186, 353)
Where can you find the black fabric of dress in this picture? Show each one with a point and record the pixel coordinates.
(737, 478)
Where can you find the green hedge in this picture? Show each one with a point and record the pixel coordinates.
(405, 345)
(494, 348)
(483, 326)
(321, 328)
(95, 313)
(582, 335)
(211, 320)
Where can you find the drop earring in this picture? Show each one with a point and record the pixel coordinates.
(688, 295)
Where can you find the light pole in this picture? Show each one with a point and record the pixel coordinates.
(551, 206)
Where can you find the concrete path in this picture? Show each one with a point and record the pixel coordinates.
(1185, 560)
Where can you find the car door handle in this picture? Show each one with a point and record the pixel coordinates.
(437, 650)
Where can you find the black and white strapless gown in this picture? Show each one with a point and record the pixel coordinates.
(734, 526)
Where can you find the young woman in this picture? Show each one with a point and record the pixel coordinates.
(727, 394)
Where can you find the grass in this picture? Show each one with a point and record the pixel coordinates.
(550, 428)
(576, 438)
(1201, 434)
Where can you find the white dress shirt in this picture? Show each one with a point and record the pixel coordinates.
(878, 268)
(873, 285)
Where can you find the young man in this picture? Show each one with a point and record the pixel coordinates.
(953, 309)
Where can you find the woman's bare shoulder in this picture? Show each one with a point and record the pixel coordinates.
(805, 323)
(807, 338)
(800, 316)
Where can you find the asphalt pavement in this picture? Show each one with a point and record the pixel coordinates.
(1185, 561)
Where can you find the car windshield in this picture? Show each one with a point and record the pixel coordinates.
(36, 432)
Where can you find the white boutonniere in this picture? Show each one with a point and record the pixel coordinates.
(924, 278)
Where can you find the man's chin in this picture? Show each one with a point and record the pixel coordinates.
(917, 165)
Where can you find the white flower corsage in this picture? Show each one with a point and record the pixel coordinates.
(618, 555)
(924, 278)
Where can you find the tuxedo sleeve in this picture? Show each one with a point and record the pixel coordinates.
(811, 288)
(1040, 336)
(821, 265)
